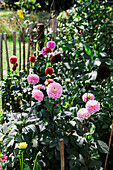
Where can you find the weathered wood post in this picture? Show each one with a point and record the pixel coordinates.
(30, 38)
(62, 154)
(14, 43)
(40, 32)
(6, 49)
(1, 63)
(19, 50)
(1, 57)
(23, 36)
(105, 165)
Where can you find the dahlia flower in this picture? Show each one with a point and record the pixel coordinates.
(13, 67)
(51, 44)
(93, 106)
(103, 72)
(22, 145)
(88, 96)
(56, 58)
(13, 59)
(40, 86)
(32, 59)
(45, 50)
(4, 158)
(49, 70)
(38, 95)
(54, 90)
(83, 114)
(33, 79)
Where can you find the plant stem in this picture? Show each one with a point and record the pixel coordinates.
(22, 161)
(35, 161)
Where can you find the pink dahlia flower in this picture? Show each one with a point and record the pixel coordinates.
(93, 106)
(40, 86)
(88, 96)
(83, 114)
(38, 95)
(4, 158)
(51, 44)
(54, 90)
(33, 79)
(44, 52)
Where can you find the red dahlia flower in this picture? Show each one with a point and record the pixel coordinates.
(56, 58)
(32, 59)
(16, 64)
(13, 59)
(14, 68)
(103, 72)
(49, 71)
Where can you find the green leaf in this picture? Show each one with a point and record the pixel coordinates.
(95, 164)
(102, 146)
(88, 50)
(26, 167)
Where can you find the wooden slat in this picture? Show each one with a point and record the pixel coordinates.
(19, 49)
(6, 49)
(14, 43)
(23, 35)
(30, 38)
(40, 32)
(62, 154)
(1, 57)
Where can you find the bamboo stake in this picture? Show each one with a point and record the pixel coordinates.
(109, 146)
(62, 154)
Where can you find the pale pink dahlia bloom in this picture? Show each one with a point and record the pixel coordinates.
(88, 96)
(93, 106)
(39, 86)
(38, 95)
(51, 44)
(83, 114)
(54, 90)
(33, 79)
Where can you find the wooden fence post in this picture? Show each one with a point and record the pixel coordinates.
(19, 50)
(7, 57)
(1, 57)
(1, 63)
(30, 38)
(23, 35)
(62, 154)
(40, 32)
(14, 43)
(109, 145)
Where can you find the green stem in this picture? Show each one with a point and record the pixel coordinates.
(22, 161)
(35, 161)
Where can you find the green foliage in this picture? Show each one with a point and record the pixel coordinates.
(41, 125)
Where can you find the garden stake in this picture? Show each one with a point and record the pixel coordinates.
(62, 153)
(109, 146)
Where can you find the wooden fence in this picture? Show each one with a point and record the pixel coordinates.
(21, 49)
(23, 53)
